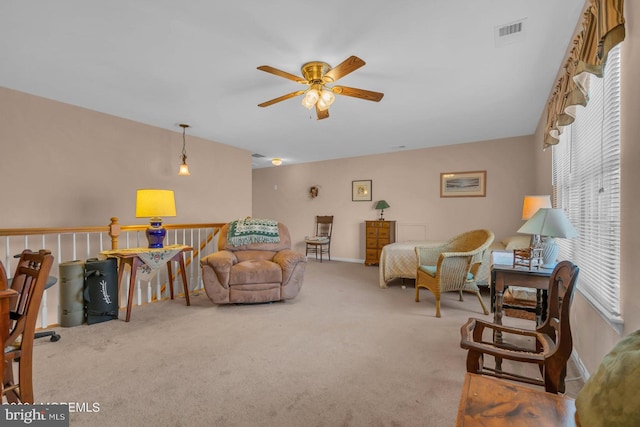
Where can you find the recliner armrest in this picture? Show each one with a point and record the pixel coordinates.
(220, 262)
(288, 259)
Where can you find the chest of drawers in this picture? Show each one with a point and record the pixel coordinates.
(378, 234)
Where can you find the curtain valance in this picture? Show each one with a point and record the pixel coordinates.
(602, 29)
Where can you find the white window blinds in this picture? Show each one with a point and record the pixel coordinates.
(586, 179)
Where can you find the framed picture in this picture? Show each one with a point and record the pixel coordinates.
(361, 190)
(463, 184)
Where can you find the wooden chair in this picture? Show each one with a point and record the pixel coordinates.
(452, 266)
(549, 345)
(321, 241)
(29, 281)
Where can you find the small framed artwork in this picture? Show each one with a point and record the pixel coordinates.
(361, 190)
(463, 184)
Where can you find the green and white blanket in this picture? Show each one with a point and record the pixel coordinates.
(253, 230)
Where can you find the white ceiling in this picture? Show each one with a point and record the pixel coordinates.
(162, 62)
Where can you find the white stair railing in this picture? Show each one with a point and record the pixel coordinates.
(82, 243)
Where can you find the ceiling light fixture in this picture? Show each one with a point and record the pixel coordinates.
(276, 161)
(184, 169)
(318, 94)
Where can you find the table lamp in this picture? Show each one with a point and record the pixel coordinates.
(550, 223)
(155, 204)
(382, 205)
(530, 206)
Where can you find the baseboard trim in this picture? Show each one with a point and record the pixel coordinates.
(340, 259)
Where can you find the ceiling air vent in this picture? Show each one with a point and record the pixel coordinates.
(257, 156)
(509, 33)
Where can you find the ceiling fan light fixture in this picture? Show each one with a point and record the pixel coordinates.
(316, 75)
(327, 96)
(322, 105)
(310, 98)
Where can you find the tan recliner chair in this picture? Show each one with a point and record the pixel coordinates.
(253, 272)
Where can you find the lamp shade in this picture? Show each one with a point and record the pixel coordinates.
(551, 222)
(382, 204)
(155, 203)
(533, 203)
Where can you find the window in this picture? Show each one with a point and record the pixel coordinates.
(586, 182)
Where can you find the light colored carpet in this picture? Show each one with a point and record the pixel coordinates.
(343, 353)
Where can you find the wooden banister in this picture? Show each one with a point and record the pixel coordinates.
(114, 229)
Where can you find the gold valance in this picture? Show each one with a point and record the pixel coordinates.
(602, 29)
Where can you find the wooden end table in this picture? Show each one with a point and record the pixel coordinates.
(132, 258)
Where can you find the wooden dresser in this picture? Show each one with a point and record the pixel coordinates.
(378, 234)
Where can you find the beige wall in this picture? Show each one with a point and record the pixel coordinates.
(66, 166)
(410, 182)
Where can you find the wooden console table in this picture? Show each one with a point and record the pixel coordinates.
(490, 402)
(134, 258)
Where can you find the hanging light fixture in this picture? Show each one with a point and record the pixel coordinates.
(318, 94)
(184, 169)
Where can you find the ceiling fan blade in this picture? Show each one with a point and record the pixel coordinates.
(281, 98)
(269, 69)
(358, 93)
(322, 114)
(347, 66)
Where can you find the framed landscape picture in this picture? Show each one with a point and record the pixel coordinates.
(463, 184)
(361, 190)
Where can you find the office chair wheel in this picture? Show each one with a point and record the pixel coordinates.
(55, 337)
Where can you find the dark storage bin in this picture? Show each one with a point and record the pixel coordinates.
(101, 290)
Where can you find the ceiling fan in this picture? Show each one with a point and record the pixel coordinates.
(317, 76)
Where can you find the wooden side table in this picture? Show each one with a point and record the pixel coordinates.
(504, 274)
(490, 402)
(132, 258)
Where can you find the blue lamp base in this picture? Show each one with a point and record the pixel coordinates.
(156, 233)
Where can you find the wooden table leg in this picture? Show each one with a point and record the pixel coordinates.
(170, 272)
(185, 285)
(135, 263)
(497, 315)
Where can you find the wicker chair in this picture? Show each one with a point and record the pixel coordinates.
(452, 266)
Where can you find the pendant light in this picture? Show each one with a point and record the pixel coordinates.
(184, 169)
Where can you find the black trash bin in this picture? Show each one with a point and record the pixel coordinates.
(101, 290)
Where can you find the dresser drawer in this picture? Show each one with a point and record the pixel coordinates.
(383, 233)
(373, 255)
